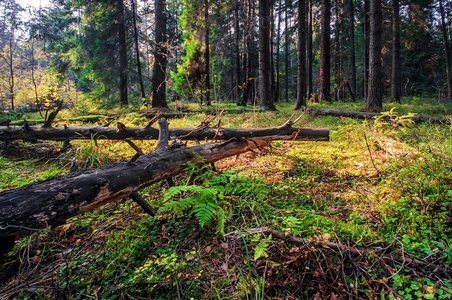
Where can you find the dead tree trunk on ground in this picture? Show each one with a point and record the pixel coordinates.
(368, 115)
(51, 202)
(284, 132)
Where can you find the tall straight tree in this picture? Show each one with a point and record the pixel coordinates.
(238, 74)
(446, 51)
(160, 51)
(374, 100)
(325, 51)
(266, 99)
(351, 32)
(301, 78)
(278, 42)
(248, 36)
(337, 54)
(207, 52)
(123, 97)
(396, 63)
(137, 51)
(309, 52)
(366, 33)
(286, 23)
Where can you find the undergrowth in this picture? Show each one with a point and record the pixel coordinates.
(380, 189)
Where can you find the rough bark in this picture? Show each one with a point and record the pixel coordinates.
(325, 51)
(301, 78)
(284, 132)
(396, 63)
(266, 100)
(123, 97)
(374, 102)
(160, 54)
(370, 115)
(51, 202)
(338, 88)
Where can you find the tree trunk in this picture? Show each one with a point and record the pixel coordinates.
(309, 53)
(278, 42)
(396, 63)
(266, 100)
(351, 30)
(446, 51)
(283, 132)
(301, 79)
(249, 42)
(370, 115)
(51, 202)
(325, 51)
(137, 50)
(207, 52)
(366, 33)
(160, 56)
(337, 54)
(374, 101)
(238, 75)
(123, 97)
(286, 21)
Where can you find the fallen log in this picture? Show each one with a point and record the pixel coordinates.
(284, 132)
(49, 203)
(368, 115)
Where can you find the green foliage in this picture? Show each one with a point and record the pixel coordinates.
(389, 123)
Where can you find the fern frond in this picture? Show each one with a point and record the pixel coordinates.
(204, 212)
(260, 250)
(221, 217)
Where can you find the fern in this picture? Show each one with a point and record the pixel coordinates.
(204, 212)
(260, 250)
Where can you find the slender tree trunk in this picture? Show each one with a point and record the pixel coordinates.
(366, 49)
(249, 45)
(33, 75)
(123, 97)
(446, 51)
(266, 101)
(140, 75)
(374, 99)
(337, 54)
(160, 54)
(11, 72)
(207, 52)
(238, 76)
(309, 52)
(287, 52)
(272, 60)
(301, 79)
(325, 51)
(278, 42)
(351, 32)
(396, 63)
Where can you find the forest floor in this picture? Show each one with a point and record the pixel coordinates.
(373, 207)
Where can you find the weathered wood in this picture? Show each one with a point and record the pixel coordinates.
(284, 132)
(51, 202)
(368, 115)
